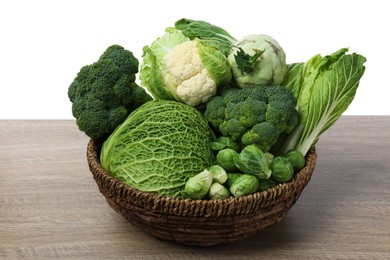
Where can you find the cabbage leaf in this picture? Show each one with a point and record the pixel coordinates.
(324, 88)
(158, 148)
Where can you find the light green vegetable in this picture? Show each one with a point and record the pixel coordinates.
(198, 186)
(324, 88)
(231, 178)
(219, 173)
(282, 170)
(244, 185)
(296, 159)
(177, 68)
(218, 192)
(252, 160)
(270, 157)
(158, 147)
(257, 60)
(225, 158)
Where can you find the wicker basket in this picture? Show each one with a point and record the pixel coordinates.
(200, 222)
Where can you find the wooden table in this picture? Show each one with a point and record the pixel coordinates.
(50, 206)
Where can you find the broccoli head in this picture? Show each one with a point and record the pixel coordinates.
(256, 115)
(104, 93)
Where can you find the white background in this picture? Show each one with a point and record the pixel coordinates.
(43, 44)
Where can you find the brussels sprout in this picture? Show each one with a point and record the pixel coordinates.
(218, 192)
(266, 184)
(225, 158)
(219, 174)
(270, 157)
(231, 178)
(253, 161)
(282, 170)
(244, 185)
(198, 186)
(296, 159)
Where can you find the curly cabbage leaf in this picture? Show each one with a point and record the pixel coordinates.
(158, 148)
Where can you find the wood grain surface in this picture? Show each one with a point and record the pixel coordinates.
(50, 206)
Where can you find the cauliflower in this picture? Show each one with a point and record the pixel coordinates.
(184, 74)
(177, 68)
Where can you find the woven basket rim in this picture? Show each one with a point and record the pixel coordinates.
(162, 204)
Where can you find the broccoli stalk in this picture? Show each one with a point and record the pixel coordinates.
(104, 93)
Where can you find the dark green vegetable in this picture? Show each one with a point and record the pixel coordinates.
(225, 158)
(235, 113)
(282, 170)
(225, 142)
(296, 159)
(244, 185)
(252, 160)
(266, 184)
(104, 93)
(231, 178)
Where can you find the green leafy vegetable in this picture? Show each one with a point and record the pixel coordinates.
(324, 88)
(251, 160)
(158, 148)
(211, 34)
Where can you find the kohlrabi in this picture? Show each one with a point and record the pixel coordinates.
(257, 60)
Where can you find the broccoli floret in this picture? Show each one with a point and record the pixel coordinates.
(249, 111)
(280, 112)
(104, 93)
(233, 128)
(216, 112)
(264, 135)
(235, 112)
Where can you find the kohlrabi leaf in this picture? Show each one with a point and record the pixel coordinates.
(245, 61)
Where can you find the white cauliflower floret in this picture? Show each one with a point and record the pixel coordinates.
(185, 75)
(197, 89)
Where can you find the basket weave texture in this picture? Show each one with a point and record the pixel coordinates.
(200, 222)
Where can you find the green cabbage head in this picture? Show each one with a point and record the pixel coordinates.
(158, 148)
